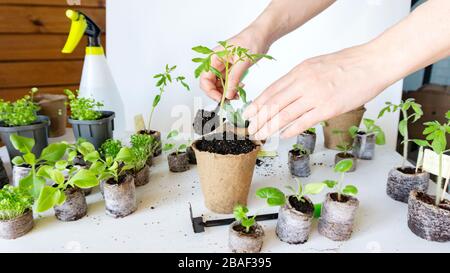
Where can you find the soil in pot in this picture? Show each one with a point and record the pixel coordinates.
(341, 123)
(178, 162)
(120, 198)
(94, 131)
(149, 161)
(294, 220)
(337, 217)
(364, 145)
(426, 220)
(54, 107)
(142, 177)
(401, 181)
(157, 136)
(343, 156)
(37, 131)
(191, 155)
(307, 140)
(74, 208)
(17, 227)
(205, 122)
(299, 164)
(4, 180)
(225, 164)
(241, 242)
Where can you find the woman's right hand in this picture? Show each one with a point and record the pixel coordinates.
(251, 39)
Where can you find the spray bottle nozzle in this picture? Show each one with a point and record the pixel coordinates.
(81, 25)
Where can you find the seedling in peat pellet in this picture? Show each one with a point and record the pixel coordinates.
(342, 167)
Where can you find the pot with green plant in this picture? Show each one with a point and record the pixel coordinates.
(20, 118)
(402, 180)
(141, 147)
(77, 153)
(308, 139)
(16, 215)
(54, 107)
(299, 161)
(345, 149)
(364, 140)
(296, 210)
(429, 216)
(339, 209)
(178, 158)
(245, 235)
(164, 80)
(88, 121)
(225, 159)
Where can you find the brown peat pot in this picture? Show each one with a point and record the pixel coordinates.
(426, 220)
(241, 242)
(307, 140)
(294, 220)
(364, 145)
(54, 107)
(120, 198)
(337, 217)
(142, 177)
(299, 164)
(178, 162)
(17, 227)
(401, 182)
(74, 208)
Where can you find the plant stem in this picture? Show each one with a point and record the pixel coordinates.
(341, 179)
(405, 139)
(225, 89)
(151, 113)
(439, 182)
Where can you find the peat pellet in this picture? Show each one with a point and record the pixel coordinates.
(74, 208)
(178, 162)
(342, 156)
(299, 164)
(308, 141)
(294, 220)
(142, 177)
(402, 181)
(17, 227)
(241, 242)
(191, 155)
(120, 198)
(364, 146)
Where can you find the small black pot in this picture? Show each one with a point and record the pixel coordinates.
(241, 242)
(142, 177)
(4, 180)
(402, 181)
(308, 141)
(293, 225)
(426, 220)
(94, 131)
(37, 131)
(364, 145)
(178, 162)
(120, 198)
(191, 155)
(17, 227)
(205, 122)
(343, 156)
(299, 164)
(336, 220)
(74, 208)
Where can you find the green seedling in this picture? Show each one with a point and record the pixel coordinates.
(342, 167)
(436, 139)
(240, 214)
(14, 202)
(80, 148)
(172, 147)
(142, 147)
(370, 128)
(165, 79)
(21, 112)
(112, 167)
(403, 107)
(110, 147)
(343, 146)
(83, 108)
(311, 131)
(300, 149)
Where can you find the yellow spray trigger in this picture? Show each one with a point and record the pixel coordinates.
(77, 29)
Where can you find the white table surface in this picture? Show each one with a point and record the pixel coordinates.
(162, 222)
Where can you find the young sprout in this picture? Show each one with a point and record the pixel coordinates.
(21, 112)
(342, 167)
(168, 147)
(343, 146)
(371, 127)
(165, 79)
(240, 214)
(300, 149)
(311, 131)
(404, 106)
(83, 108)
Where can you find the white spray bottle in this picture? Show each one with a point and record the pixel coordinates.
(96, 79)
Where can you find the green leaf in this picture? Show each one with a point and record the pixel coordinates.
(62, 198)
(92, 156)
(274, 196)
(124, 155)
(242, 94)
(56, 176)
(85, 148)
(156, 100)
(84, 179)
(202, 49)
(199, 70)
(22, 144)
(61, 164)
(48, 198)
(216, 72)
(380, 138)
(313, 188)
(97, 167)
(330, 183)
(343, 166)
(350, 190)
(18, 161)
(30, 158)
(198, 60)
(403, 127)
(240, 212)
(172, 134)
(248, 223)
(53, 152)
(182, 147)
(353, 131)
(168, 147)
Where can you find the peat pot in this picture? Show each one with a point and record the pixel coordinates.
(426, 220)
(294, 220)
(364, 145)
(241, 242)
(54, 107)
(142, 177)
(402, 181)
(337, 217)
(17, 227)
(74, 208)
(94, 131)
(178, 162)
(299, 164)
(307, 140)
(120, 198)
(342, 156)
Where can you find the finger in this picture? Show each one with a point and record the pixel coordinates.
(284, 118)
(208, 85)
(306, 121)
(274, 88)
(235, 76)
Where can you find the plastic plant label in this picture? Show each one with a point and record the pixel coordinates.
(431, 163)
(139, 123)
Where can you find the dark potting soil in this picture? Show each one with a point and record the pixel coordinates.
(226, 143)
(122, 179)
(344, 198)
(345, 155)
(298, 153)
(146, 132)
(241, 230)
(430, 200)
(409, 170)
(304, 206)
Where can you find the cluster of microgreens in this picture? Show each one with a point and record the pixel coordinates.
(21, 112)
(370, 128)
(111, 147)
(228, 55)
(436, 139)
(14, 202)
(164, 80)
(83, 108)
(172, 147)
(142, 147)
(404, 107)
